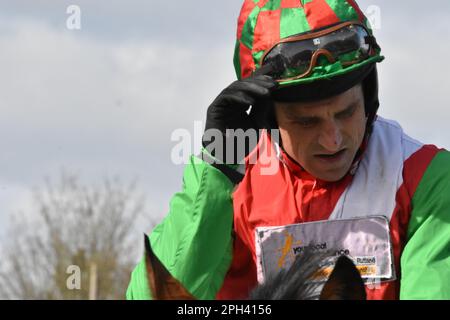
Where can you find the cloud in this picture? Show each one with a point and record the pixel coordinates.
(105, 99)
(188, 23)
(100, 108)
(414, 76)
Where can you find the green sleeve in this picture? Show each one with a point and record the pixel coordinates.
(425, 262)
(194, 241)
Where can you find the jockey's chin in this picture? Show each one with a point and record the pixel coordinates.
(324, 136)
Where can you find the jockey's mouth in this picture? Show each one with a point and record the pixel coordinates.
(332, 157)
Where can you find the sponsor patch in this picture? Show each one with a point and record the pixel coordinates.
(365, 240)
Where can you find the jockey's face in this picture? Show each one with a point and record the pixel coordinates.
(324, 136)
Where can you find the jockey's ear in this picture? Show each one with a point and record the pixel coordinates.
(161, 283)
(344, 283)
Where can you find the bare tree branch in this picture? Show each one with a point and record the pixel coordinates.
(74, 224)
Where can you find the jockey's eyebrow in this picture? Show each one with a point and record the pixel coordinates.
(314, 118)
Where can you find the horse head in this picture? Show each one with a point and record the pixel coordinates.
(344, 282)
(305, 280)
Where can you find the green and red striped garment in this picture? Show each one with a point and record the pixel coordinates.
(207, 239)
(262, 23)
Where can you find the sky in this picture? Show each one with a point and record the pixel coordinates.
(105, 99)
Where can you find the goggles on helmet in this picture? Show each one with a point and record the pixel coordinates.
(295, 57)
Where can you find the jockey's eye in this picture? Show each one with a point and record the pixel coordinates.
(307, 122)
(348, 112)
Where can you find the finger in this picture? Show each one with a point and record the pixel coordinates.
(240, 99)
(264, 80)
(252, 88)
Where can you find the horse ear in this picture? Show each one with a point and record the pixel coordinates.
(344, 283)
(161, 283)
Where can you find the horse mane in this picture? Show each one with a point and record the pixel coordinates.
(344, 282)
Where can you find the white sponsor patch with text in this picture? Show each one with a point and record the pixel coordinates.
(364, 240)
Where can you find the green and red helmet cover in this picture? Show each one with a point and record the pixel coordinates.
(262, 23)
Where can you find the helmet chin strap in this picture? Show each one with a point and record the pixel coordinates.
(269, 120)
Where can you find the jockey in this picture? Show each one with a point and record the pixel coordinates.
(325, 172)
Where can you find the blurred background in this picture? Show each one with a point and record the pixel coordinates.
(87, 113)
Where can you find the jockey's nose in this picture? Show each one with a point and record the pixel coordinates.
(330, 137)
